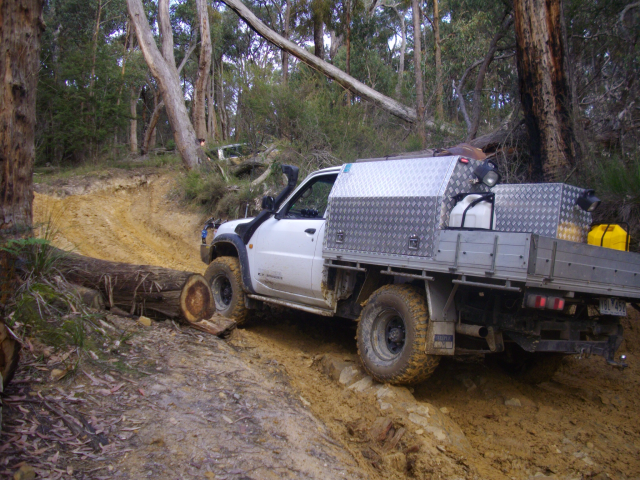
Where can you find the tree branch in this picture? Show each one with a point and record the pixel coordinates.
(347, 81)
(507, 21)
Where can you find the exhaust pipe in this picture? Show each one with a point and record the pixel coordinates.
(472, 330)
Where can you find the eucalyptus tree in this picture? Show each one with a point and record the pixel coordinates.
(163, 68)
(544, 87)
(21, 27)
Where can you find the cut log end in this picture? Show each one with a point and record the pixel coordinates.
(196, 300)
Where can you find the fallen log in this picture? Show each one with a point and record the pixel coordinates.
(9, 354)
(248, 165)
(89, 297)
(509, 133)
(9, 343)
(139, 289)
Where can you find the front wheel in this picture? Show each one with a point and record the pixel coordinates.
(392, 333)
(225, 278)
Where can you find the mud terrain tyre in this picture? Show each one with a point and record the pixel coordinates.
(392, 332)
(225, 278)
(528, 367)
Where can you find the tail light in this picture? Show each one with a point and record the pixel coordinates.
(543, 302)
(536, 301)
(555, 303)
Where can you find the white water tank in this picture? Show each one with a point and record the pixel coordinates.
(478, 216)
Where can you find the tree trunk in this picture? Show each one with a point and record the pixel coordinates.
(436, 34)
(21, 27)
(403, 49)
(94, 49)
(224, 118)
(166, 35)
(141, 288)
(285, 54)
(127, 35)
(212, 122)
(544, 89)
(348, 62)
(507, 21)
(238, 117)
(165, 73)
(204, 65)
(348, 82)
(318, 28)
(417, 60)
(336, 43)
(133, 122)
(149, 141)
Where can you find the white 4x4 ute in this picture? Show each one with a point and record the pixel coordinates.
(432, 258)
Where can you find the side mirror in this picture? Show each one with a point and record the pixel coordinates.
(268, 203)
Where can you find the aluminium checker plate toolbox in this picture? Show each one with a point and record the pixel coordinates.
(395, 207)
(546, 209)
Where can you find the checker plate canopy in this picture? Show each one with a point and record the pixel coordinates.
(378, 206)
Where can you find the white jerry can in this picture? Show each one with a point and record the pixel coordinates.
(478, 216)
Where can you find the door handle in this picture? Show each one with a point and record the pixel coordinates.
(310, 231)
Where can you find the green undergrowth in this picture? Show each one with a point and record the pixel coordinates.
(49, 174)
(214, 191)
(617, 184)
(45, 309)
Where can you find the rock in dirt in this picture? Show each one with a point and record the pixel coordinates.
(333, 366)
(513, 402)
(146, 321)
(350, 375)
(26, 472)
(362, 384)
(400, 401)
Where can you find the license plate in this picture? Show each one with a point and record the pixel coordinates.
(613, 306)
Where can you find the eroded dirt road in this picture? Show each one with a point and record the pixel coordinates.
(582, 424)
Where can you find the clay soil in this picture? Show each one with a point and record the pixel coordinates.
(258, 406)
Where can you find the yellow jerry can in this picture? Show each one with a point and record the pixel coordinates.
(609, 236)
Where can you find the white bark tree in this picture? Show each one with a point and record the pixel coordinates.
(165, 72)
(204, 66)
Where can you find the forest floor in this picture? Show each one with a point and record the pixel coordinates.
(274, 400)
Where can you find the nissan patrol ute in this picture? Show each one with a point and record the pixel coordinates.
(431, 257)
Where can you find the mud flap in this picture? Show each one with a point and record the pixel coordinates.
(441, 330)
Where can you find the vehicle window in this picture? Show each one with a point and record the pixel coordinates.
(311, 202)
(233, 151)
(244, 150)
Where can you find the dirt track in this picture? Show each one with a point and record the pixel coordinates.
(583, 424)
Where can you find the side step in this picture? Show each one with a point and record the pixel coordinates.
(298, 306)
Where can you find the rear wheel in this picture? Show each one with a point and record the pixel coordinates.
(225, 278)
(392, 332)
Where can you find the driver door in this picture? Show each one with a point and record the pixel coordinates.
(285, 248)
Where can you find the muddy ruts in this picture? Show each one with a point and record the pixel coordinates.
(141, 289)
